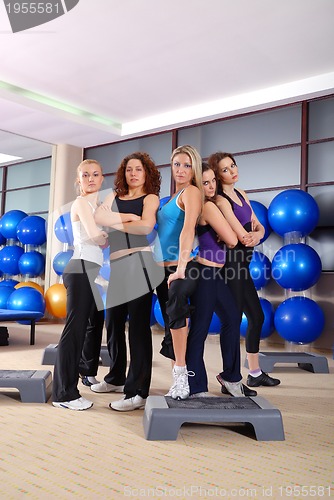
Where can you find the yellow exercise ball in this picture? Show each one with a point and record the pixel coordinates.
(55, 300)
(31, 284)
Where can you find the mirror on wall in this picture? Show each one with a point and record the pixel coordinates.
(17, 148)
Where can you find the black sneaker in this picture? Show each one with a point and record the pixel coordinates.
(85, 381)
(263, 379)
(247, 392)
(88, 381)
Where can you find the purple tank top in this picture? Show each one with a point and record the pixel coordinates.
(243, 213)
(208, 247)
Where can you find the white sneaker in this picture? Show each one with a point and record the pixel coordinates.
(235, 389)
(200, 395)
(76, 404)
(135, 403)
(169, 393)
(105, 387)
(181, 389)
(93, 380)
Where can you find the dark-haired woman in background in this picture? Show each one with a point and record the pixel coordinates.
(237, 210)
(213, 295)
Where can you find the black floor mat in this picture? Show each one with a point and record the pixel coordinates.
(213, 403)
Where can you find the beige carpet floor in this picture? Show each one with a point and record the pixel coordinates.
(47, 452)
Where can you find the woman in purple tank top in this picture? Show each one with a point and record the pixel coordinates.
(213, 295)
(238, 212)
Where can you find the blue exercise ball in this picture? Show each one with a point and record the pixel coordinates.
(296, 266)
(2, 239)
(299, 320)
(9, 259)
(215, 325)
(158, 314)
(63, 229)
(9, 282)
(32, 264)
(163, 201)
(261, 213)
(105, 270)
(61, 260)
(9, 222)
(260, 269)
(152, 319)
(32, 230)
(26, 299)
(151, 236)
(5, 292)
(106, 253)
(268, 324)
(293, 210)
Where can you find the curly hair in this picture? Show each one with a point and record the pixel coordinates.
(152, 174)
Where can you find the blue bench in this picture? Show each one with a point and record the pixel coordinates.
(30, 316)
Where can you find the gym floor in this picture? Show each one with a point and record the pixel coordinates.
(99, 453)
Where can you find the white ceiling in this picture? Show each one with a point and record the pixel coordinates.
(111, 69)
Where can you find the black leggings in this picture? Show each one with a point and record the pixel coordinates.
(129, 298)
(240, 282)
(213, 295)
(82, 294)
(138, 313)
(174, 303)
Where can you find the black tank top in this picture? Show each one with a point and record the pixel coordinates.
(118, 240)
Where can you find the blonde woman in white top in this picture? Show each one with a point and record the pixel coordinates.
(79, 279)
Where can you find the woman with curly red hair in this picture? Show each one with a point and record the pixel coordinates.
(130, 214)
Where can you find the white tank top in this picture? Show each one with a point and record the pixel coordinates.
(84, 248)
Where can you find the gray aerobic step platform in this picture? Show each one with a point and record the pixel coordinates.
(306, 361)
(164, 416)
(35, 386)
(50, 352)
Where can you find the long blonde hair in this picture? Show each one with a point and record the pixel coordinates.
(196, 164)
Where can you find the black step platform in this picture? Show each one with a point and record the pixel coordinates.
(306, 361)
(164, 416)
(50, 352)
(35, 386)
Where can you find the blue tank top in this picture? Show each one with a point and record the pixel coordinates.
(209, 248)
(170, 220)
